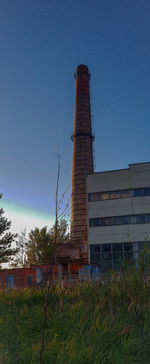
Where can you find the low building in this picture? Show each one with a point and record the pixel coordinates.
(26, 277)
(37, 275)
(118, 215)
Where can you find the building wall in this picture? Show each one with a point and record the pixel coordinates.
(36, 274)
(135, 177)
(10, 278)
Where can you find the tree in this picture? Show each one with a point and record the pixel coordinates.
(6, 239)
(41, 243)
(60, 222)
(20, 260)
(63, 235)
(40, 247)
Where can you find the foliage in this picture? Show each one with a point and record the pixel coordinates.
(40, 247)
(6, 239)
(62, 231)
(107, 322)
(20, 260)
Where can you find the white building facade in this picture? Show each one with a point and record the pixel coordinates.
(118, 215)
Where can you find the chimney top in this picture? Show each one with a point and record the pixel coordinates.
(82, 68)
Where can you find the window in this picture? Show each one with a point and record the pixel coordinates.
(117, 247)
(128, 246)
(116, 265)
(106, 265)
(125, 220)
(92, 248)
(95, 222)
(113, 220)
(30, 280)
(120, 220)
(133, 218)
(105, 221)
(128, 255)
(117, 256)
(97, 248)
(111, 256)
(95, 259)
(124, 193)
(10, 282)
(106, 256)
(114, 194)
(146, 191)
(105, 196)
(147, 218)
(94, 196)
(140, 219)
(143, 244)
(137, 192)
(109, 195)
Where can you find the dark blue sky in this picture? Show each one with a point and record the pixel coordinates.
(41, 43)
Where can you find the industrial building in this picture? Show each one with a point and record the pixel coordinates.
(118, 215)
(110, 211)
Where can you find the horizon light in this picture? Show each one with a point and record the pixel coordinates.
(23, 217)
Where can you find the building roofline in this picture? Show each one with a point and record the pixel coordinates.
(111, 170)
(132, 164)
(117, 170)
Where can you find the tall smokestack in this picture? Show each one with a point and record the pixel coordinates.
(82, 155)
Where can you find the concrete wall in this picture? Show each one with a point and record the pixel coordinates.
(136, 176)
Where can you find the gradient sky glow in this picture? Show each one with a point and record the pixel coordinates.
(41, 43)
(25, 218)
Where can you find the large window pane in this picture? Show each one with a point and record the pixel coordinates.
(114, 220)
(105, 196)
(114, 194)
(106, 247)
(140, 219)
(94, 222)
(133, 219)
(94, 196)
(125, 193)
(106, 221)
(90, 197)
(92, 248)
(128, 246)
(128, 255)
(118, 256)
(106, 256)
(117, 247)
(147, 218)
(97, 248)
(137, 192)
(146, 191)
(96, 259)
(29, 280)
(119, 220)
(106, 265)
(126, 220)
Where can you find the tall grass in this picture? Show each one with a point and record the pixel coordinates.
(105, 323)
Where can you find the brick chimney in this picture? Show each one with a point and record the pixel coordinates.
(82, 156)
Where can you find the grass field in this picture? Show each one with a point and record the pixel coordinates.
(107, 324)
